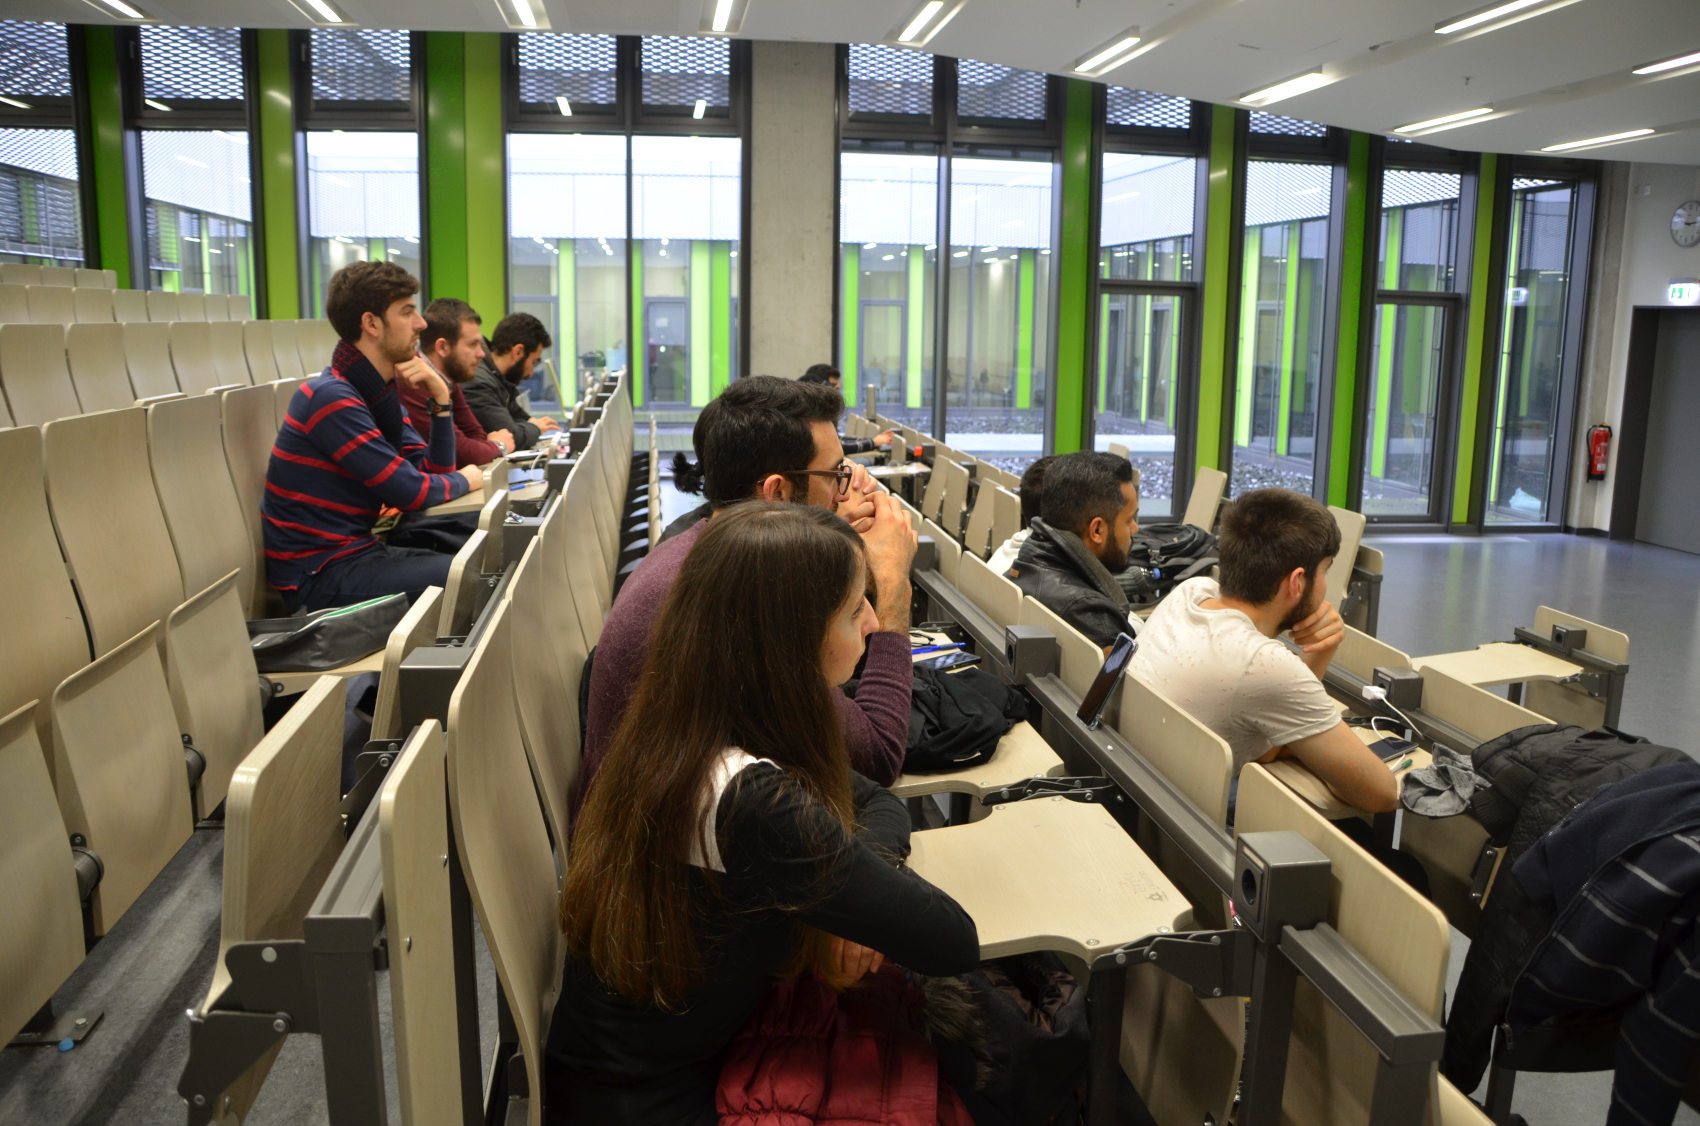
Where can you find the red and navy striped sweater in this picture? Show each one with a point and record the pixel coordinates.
(345, 448)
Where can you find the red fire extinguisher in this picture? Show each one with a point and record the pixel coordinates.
(1599, 449)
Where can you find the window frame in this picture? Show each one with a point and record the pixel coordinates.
(71, 113)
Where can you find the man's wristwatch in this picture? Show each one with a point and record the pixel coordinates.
(437, 408)
(501, 446)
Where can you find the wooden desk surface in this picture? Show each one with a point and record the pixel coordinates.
(1312, 789)
(1050, 874)
(907, 469)
(473, 500)
(1499, 662)
(1021, 754)
(301, 681)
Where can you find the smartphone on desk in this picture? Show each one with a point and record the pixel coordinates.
(947, 662)
(1115, 663)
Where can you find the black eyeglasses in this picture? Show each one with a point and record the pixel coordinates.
(844, 473)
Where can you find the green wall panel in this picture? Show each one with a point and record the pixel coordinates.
(1476, 340)
(278, 211)
(445, 167)
(1219, 229)
(1075, 262)
(1351, 312)
(106, 114)
(635, 350)
(701, 282)
(850, 359)
(720, 299)
(916, 332)
(486, 187)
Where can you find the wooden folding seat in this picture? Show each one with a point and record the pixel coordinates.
(92, 305)
(162, 306)
(35, 374)
(118, 770)
(413, 832)
(129, 305)
(217, 306)
(1351, 526)
(997, 596)
(282, 833)
(41, 930)
(257, 344)
(147, 354)
(230, 363)
(284, 391)
(1081, 658)
(197, 494)
(460, 596)
(17, 273)
(51, 304)
(42, 606)
(191, 307)
(14, 305)
(977, 533)
(191, 357)
(249, 430)
(94, 279)
(284, 350)
(949, 550)
(310, 346)
(418, 627)
(548, 665)
(110, 526)
(1209, 486)
(209, 667)
(591, 580)
(241, 307)
(503, 845)
(61, 276)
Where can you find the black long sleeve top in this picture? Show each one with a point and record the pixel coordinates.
(786, 861)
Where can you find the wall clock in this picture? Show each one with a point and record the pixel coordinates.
(1685, 224)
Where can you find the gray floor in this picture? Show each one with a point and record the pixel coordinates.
(1443, 593)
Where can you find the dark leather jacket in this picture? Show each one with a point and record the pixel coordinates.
(1056, 568)
(495, 403)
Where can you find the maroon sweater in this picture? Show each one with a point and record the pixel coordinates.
(472, 445)
(875, 720)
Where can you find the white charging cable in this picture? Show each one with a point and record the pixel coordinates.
(1379, 694)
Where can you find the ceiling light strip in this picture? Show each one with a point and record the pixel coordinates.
(1608, 139)
(1290, 88)
(326, 12)
(1449, 121)
(1484, 15)
(1113, 53)
(123, 9)
(1690, 59)
(923, 22)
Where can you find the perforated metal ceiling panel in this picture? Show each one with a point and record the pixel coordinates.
(890, 82)
(33, 62)
(678, 71)
(361, 65)
(191, 63)
(1275, 124)
(579, 68)
(989, 92)
(1146, 110)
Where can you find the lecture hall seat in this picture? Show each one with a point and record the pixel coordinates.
(35, 375)
(147, 354)
(92, 305)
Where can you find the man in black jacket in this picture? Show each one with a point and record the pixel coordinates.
(493, 393)
(1079, 540)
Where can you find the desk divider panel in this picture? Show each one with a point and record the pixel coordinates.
(997, 596)
(1340, 571)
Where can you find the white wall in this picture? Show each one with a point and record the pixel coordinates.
(1634, 261)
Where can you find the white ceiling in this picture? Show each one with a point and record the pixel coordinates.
(1559, 75)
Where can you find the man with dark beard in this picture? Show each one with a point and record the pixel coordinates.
(1078, 542)
(452, 343)
(1211, 646)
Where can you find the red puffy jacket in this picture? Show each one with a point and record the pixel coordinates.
(810, 1056)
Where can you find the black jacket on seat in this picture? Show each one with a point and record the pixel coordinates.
(1056, 568)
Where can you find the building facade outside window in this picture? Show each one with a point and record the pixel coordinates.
(41, 214)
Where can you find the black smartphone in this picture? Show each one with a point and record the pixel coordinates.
(1092, 707)
(944, 662)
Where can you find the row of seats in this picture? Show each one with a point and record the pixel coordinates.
(48, 371)
(16, 273)
(63, 305)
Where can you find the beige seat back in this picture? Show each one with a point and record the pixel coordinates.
(60, 276)
(976, 537)
(460, 597)
(1209, 486)
(990, 591)
(1081, 658)
(118, 769)
(1351, 526)
(282, 835)
(230, 364)
(1190, 755)
(92, 305)
(93, 279)
(14, 305)
(96, 355)
(51, 304)
(1568, 705)
(413, 831)
(548, 666)
(953, 499)
(241, 308)
(418, 627)
(42, 606)
(110, 526)
(1331, 1067)
(284, 390)
(191, 357)
(192, 481)
(257, 344)
(1360, 654)
(17, 273)
(214, 684)
(491, 519)
(35, 375)
(504, 844)
(284, 350)
(129, 305)
(589, 574)
(41, 930)
(1006, 515)
(217, 306)
(147, 353)
(310, 348)
(162, 306)
(191, 307)
(950, 551)
(250, 428)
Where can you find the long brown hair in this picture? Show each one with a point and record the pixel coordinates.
(734, 661)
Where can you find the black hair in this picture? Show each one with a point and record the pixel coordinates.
(819, 373)
(1033, 487)
(519, 328)
(756, 427)
(1082, 487)
(443, 320)
(1266, 534)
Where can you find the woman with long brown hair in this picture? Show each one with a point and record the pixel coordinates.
(727, 841)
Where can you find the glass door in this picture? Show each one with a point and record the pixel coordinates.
(1140, 370)
(882, 350)
(1406, 449)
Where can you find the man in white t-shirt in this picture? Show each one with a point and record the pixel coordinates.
(1213, 649)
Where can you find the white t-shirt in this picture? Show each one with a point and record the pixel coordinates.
(1250, 689)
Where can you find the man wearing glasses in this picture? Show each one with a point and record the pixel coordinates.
(776, 439)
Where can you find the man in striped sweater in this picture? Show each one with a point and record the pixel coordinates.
(346, 448)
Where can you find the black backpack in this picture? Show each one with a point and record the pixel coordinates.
(1163, 555)
(956, 718)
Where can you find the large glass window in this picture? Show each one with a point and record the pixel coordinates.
(996, 380)
(1533, 353)
(197, 196)
(41, 218)
(1282, 304)
(362, 203)
(1419, 231)
(888, 221)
